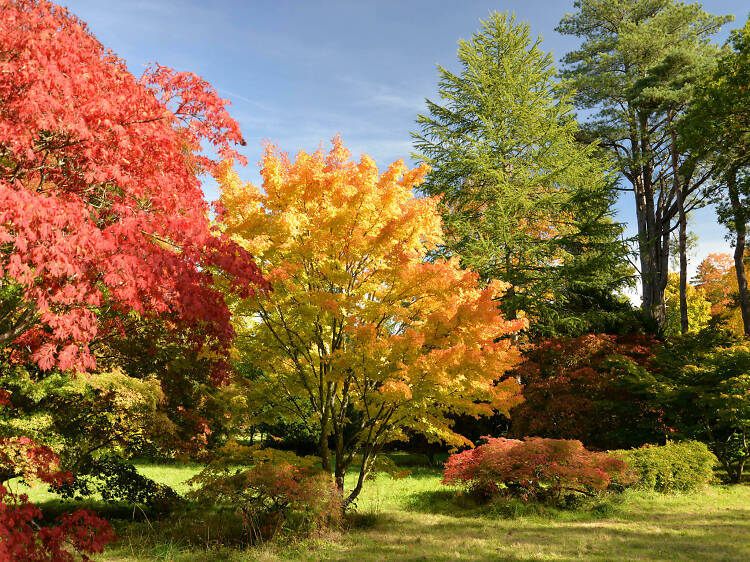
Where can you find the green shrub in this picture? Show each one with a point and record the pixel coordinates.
(704, 386)
(118, 481)
(674, 467)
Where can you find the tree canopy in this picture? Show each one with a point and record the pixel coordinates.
(101, 211)
(361, 337)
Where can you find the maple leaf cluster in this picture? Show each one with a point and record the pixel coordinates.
(100, 198)
(24, 535)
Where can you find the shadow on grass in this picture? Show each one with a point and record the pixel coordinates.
(110, 511)
(408, 536)
(449, 502)
(437, 525)
(190, 525)
(405, 459)
(716, 537)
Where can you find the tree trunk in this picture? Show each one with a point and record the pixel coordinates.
(684, 322)
(325, 453)
(654, 269)
(341, 464)
(680, 195)
(364, 470)
(740, 227)
(651, 232)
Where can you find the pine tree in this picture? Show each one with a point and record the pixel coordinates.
(636, 67)
(522, 200)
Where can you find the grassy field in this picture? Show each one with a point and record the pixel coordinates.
(417, 519)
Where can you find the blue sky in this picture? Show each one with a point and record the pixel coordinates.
(298, 72)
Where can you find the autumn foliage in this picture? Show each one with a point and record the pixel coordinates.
(710, 278)
(23, 533)
(593, 388)
(532, 468)
(362, 337)
(280, 493)
(100, 203)
(717, 278)
(102, 226)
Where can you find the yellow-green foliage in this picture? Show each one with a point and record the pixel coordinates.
(96, 412)
(698, 307)
(674, 467)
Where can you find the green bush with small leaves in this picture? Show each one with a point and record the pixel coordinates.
(675, 467)
(118, 481)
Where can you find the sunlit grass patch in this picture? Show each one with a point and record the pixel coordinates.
(417, 518)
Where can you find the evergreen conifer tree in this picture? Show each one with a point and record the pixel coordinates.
(522, 199)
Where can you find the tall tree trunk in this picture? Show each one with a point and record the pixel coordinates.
(325, 453)
(654, 254)
(663, 272)
(740, 227)
(639, 192)
(643, 254)
(684, 323)
(341, 464)
(653, 272)
(680, 194)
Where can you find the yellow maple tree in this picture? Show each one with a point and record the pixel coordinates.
(362, 337)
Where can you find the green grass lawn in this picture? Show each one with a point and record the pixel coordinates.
(415, 519)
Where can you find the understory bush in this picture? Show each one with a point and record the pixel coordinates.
(595, 388)
(705, 386)
(675, 467)
(24, 532)
(535, 468)
(117, 481)
(273, 497)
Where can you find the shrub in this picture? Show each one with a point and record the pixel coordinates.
(273, 497)
(674, 467)
(594, 388)
(705, 387)
(24, 534)
(533, 468)
(117, 481)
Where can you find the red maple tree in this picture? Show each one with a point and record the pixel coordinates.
(102, 219)
(100, 198)
(592, 388)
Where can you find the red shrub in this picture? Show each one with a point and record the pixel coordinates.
(23, 535)
(534, 467)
